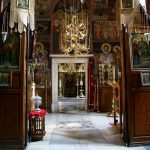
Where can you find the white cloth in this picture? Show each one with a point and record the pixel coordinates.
(22, 16)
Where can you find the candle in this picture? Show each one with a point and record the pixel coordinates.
(77, 81)
(60, 83)
(33, 89)
(81, 82)
(113, 73)
(33, 74)
(29, 70)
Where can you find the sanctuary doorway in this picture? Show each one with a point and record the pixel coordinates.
(69, 83)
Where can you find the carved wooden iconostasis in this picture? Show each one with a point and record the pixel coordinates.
(105, 28)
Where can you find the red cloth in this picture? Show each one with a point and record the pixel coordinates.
(40, 113)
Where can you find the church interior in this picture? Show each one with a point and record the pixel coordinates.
(74, 57)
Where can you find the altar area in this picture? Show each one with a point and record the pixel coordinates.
(69, 82)
(71, 104)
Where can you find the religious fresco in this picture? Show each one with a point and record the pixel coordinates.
(71, 5)
(104, 9)
(70, 29)
(104, 24)
(58, 19)
(42, 8)
(112, 10)
(43, 30)
(43, 23)
(40, 54)
(105, 31)
(106, 55)
(108, 59)
(100, 9)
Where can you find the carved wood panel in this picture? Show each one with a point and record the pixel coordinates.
(105, 101)
(9, 118)
(136, 80)
(141, 114)
(13, 105)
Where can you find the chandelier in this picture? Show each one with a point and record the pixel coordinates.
(74, 32)
(71, 68)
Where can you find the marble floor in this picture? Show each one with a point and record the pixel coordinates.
(77, 130)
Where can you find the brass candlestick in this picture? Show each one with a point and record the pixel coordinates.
(77, 84)
(81, 87)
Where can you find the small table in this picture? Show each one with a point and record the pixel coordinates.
(37, 124)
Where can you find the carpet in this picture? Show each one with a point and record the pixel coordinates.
(74, 125)
(75, 132)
